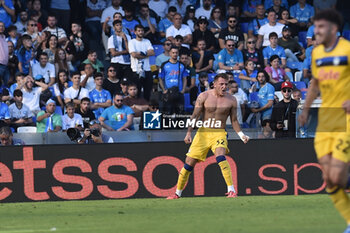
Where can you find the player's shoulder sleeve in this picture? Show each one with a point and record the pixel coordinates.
(316, 53)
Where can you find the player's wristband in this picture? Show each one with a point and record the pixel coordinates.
(241, 134)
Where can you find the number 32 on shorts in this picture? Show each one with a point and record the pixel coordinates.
(343, 146)
(220, 142)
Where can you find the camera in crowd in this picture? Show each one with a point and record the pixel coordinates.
(76, 135)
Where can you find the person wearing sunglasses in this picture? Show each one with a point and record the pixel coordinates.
(202, 32)
(165, 55)
(231, 32)
(253, 54)
(284, 113)
(229, 58)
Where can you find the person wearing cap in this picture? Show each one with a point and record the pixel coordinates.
(178, 28)
(202, 32)
(31, 94)
(124, 86)
(232, 32)
(190, 18)
(93, 134)
(204, 10)
(100, 98)
(165, 23)
(293, 50)
(284, 113)
(44, 68)
(47, 120)
(20, 114)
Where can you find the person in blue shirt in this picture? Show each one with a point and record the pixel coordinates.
(7, 10)
(269, 3)
(117, 117)
(149, 23)
(258, 21)
(302, 12)
(266, 96)
(129, 22)
(173, 81)
(248, 76)
(249, 7)
(165, 23)
(229, 58)
(274, 49)
(25, 54)
(100, 98)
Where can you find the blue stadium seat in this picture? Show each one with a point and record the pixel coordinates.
(346, 34)
(215, 63)
(188, 106)
(303, 95)
(211, 77)
(237, 79)
(152, 60)
(295, 65)
(244, 27)
(158, 49)
(253, 96)
(299, 85)
(302, 38)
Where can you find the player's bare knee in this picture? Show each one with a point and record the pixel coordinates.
(191, 161)
(337, 180)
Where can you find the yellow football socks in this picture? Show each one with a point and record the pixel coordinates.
(225, 169)
(183, 178)
(341, 201)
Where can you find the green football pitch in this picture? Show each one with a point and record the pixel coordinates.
(282, 214)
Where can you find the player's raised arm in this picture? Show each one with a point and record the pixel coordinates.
(198, 109)
(311, 95)
(234, 122)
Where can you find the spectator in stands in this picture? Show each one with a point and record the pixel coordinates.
(44, 68)
(76, 92)
(32, 30)
(266, 132)
(253, 54)
(233, 90)
(100, 98)
(277, 8)
(90, 138)
(276, 73)
(274, 49)
(62, 10)
(62, 63)
(31, 95)
(180, 5)
(140, 50)
(323, 5)
(60, 86)
(202, 86)
(296, 95)
(85, 112)
(138, 105)
(159, 6)
(6, 137)
(229, 58)
(87, 77)
(54, 30)
(232, 32)
(303, 12)
(217, 21)
(248, 76)
(149, 23)
(233, 8)
(13, 35)
(178, 42)
(21, 23)
(129, 22)
(25, 55)
(165, 55)
(111, 83)
(205, 34)
(185, 58)
(51, 48)
(190, 18)
(258, 21)
(266, 29)
(165, 23)
(19, 77)
(118, 117)
(47, 120)
(269, 3)
(71, 119)
(179, 29)
(249, 8)
(42, 42)
(38, 14)
(283, 114)
(4, 54)
(4, 115)
(124, 87)
(290, 22)
(7, 13)
(12, 64)
(94, 9)
(78, 45)
(44, 95)
(293, 50)
(92, 59)
(118, 48)
(172, 80)
(203, 59)
(307, 62)
(266, 96)
(152, 13)
(204, 10)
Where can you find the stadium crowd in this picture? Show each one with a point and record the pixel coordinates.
(66, 63)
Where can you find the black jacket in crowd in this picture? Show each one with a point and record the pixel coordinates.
(284, 111)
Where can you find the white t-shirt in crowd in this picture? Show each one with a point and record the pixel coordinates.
(24, 112)
(118, 59)
(160, 7)
(90, 84)
(47, 72)
(32, 99)
(203, 12)
(68, 122)
(59, 32)
(140, 46)
(100, 5)
(266, 29)
(109, 12)
(71, 93)
(183, 31)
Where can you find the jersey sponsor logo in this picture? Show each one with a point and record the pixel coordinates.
(331, 75)
(332, 61)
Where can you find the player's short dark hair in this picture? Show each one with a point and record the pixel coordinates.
(85, 99)
(330, 15)
(172, 9)
(98, 74)
(116, 22)
(273, 57)
(222, 75)
(17, 92)
(273, 34)
(139, 26)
